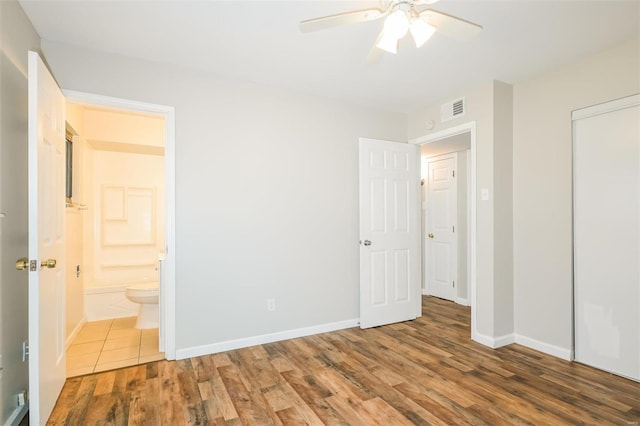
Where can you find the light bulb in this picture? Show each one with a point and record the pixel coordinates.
(388, 42)
(421, 31)
(397, 24)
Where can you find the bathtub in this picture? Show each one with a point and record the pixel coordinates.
(107, 302)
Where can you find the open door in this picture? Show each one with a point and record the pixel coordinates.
(47, 369)
(389, 233)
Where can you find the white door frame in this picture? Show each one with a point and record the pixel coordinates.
(168, 290)
(470, 128)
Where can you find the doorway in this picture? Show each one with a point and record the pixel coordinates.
(454, 139)
(140, 195)
(115, 235)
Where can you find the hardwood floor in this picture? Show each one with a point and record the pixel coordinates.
(426, 371)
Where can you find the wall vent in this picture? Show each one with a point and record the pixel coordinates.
(453, 109)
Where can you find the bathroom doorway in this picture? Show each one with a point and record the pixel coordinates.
(117, 229)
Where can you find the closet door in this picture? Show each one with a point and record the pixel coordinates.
(606, 143)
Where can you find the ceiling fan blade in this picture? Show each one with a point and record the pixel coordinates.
(450, 25)
(423, 2)
(330, 21)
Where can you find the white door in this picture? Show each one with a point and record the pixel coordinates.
(440, 223)
(47, 369)
(607, 236)
(389, 233)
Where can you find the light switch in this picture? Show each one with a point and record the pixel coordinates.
(484, 194)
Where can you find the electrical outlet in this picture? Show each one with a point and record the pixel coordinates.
(271, 304)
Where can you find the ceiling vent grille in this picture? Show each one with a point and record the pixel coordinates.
(453, 109)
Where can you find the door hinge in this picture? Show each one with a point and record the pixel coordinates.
(421, 182)
(453, 228)
(33, 265)
(454, 284)
(453, 173)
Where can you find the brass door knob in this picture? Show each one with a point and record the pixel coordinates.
(49, 263)
(22, 264)
(430, 235)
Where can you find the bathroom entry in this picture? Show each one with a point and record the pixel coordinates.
(115, 237)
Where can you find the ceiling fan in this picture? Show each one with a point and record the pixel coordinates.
(401, 17)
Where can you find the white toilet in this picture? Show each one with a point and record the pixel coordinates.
(146, 294)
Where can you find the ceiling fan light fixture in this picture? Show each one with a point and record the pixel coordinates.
(396, 25)
(388, 42)
(421, 31)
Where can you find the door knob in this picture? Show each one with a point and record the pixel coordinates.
(49, 263)
(430, 235)
(367, 243)
(22, 264)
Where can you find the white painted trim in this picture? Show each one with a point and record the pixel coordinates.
(494, 342)
(548, 349)
(75, 331)
(505, 340)
(606, 107)
(462, 301)
(264, 338)
(168, 308)
(17, 415)
(470, 128)
(483, 339)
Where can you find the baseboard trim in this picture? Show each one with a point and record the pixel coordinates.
(18, 414)
(462, 301)
(75, 332)
(264, 338)
(493, 342)
(504, 340)
(547, 348)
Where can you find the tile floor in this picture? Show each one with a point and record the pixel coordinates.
(109, 344)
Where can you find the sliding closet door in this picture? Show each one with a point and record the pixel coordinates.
(607, 236)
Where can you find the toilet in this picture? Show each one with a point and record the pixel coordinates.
(146, 294)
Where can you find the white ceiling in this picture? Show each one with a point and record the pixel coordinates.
(260, 41)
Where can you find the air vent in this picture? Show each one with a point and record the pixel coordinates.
(451, 110)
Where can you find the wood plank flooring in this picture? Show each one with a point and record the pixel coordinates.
(426, 371)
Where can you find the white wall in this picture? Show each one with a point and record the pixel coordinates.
(502, 193)
(485, 106)
(16, 37)
(542, 186)
(266, 194)
(123, 127)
